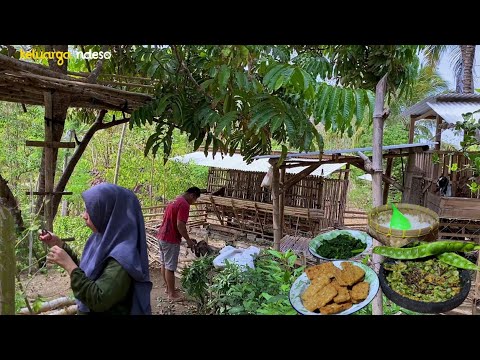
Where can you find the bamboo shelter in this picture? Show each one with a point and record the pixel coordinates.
(459, 207)
(312, 204)
(57, 90)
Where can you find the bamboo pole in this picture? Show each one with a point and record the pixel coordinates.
(476, 293)
(386, 185)
(119, 154)
(7, 262)
(70, 310)
(379, 116)
(49, 170)
(282, 201)
(277, 230)
(49, 305)
(30, 233)
(260, 206)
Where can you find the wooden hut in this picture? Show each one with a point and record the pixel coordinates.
(459, 211)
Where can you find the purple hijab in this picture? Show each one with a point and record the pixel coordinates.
(116, 213)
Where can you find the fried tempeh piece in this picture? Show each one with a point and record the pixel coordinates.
(325, 295)
(327, 269)
(343, 293)
(350, 274)
(342, 296)
(360, 291)
(311, 294)
(335, 308)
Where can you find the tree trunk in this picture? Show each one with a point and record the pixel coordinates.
(468, 55)
(8, 200)
(378, 122)
(119, 154)
(65, 201)
(98, 125)
(65, 163)
(7, 262)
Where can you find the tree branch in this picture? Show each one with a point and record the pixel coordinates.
(92, 78)
(189, 74)
(87, 63)
(82, 145)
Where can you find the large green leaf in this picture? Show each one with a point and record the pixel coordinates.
(324, 93)
(151, 140)
(208, 141)
(371, 102)
(198, 142)
(223, 75)
(359, 105)
(332, 108)
(277, 122)
(348, 104)
(227, 119)
(271, 72)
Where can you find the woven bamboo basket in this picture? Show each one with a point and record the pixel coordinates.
(398, 238)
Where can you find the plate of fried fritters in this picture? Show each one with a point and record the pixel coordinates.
(334, 288)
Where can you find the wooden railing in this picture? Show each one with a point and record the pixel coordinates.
(154, 214)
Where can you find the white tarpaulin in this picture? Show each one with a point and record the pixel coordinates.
(367, 177)
(236, 162)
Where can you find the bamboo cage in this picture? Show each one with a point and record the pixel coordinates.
(312, 204)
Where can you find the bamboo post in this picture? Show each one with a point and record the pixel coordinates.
(411, 131)
(438, 132)
(386, 185)
(49, 170)
(7, 263)
(277, 230)
(282, 201)
(119, 154)
(379, 116)
(476, 293)
(30, 233)
(65, 164)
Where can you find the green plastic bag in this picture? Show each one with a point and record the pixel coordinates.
(398, 220)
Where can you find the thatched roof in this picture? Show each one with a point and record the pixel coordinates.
(25, 82)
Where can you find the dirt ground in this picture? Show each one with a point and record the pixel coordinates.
(54, 284)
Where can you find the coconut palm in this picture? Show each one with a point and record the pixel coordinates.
(463, 57)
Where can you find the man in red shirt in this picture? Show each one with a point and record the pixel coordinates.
(170, 236)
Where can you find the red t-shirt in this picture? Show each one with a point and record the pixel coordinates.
(176, 210)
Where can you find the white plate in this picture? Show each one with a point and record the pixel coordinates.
(302, 282)
(360, 235)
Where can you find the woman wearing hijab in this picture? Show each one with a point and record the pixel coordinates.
(112, 276)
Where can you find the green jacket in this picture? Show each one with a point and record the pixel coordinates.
(110, 294)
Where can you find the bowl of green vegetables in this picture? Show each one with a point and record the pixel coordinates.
(340, 244)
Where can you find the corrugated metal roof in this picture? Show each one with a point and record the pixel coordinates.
(419, 108)
(452, 112)
(423, 106)
(236, 162)
(290, 157)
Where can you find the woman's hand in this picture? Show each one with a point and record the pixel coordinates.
(50, 239)
(60, 257)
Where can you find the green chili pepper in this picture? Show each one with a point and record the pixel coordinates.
(433, 248)
(457, 261)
